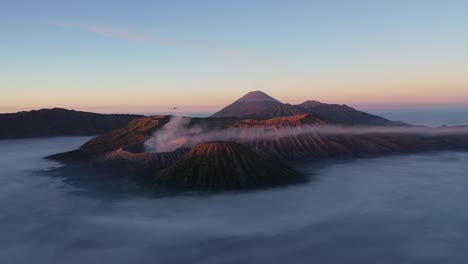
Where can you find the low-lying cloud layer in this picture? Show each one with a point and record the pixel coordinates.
(178, 132)
(88, 216)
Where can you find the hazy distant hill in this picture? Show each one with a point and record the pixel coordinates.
(59, 122)
(259, 105)
(344, 114)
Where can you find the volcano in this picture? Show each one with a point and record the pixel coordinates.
(259, 134)
(258, 104)
(225, 165)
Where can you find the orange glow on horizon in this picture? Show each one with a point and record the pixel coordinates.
(368, 94)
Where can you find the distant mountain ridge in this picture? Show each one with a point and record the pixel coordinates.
(344, 114)
(59, 122)
(253, 105)
(257, 104)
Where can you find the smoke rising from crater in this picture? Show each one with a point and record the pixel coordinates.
(179, 132)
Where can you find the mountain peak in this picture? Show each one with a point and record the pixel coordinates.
(257, 104)
(257, 96)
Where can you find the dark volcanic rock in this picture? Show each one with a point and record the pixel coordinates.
(59, 122)
(224, 165)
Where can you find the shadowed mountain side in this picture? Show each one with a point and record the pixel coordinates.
(59, 122)
(224, 165)
(345, 114)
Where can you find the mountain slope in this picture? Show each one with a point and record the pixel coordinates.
(344, 114)
(59, 122)
(224, 165)
(257, 104)
(276, 138)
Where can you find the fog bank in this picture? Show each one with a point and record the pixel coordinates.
(177, 133)
(399, 209)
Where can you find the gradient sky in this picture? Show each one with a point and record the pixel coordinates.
(147, 56)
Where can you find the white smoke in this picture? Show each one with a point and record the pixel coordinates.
(172, 135)
(178, 132)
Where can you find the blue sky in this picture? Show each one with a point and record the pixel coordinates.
(148, 55)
